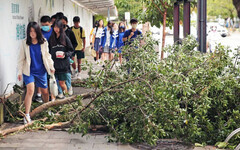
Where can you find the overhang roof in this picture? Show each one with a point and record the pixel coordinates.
(99, 6)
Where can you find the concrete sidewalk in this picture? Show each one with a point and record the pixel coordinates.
(62, 140)
(59, 140)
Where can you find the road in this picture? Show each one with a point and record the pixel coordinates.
(232, 41)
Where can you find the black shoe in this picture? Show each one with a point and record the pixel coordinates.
(38, 99)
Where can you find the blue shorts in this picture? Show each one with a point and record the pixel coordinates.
(120, 50)
(40, 80)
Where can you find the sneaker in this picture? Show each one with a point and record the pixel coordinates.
(74, 74)
(27, 120)
(70, 91)
(38, 99)
(60, 96)
(79, 76)
(118, 64)
(98, 61)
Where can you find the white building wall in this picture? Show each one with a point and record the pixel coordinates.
(14, 17)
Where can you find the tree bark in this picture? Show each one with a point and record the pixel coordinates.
(19, 128)
(236, 3)
(164, 33)
(45, 106)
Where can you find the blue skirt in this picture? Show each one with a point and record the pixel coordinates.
(97, 44)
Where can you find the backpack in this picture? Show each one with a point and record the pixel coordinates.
(81, 30)
(96, 31)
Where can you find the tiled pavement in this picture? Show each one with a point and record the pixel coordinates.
(58, 140)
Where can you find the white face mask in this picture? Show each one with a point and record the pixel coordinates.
(134, 26)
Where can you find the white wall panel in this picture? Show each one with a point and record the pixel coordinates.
(14, 17)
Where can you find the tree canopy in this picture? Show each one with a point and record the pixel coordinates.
(132, 6)
(223, 8)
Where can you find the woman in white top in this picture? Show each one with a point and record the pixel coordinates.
(97, 35)
(34, 63)
(106, 41)
(113, 41)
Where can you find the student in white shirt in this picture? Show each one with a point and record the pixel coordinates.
(97, 35)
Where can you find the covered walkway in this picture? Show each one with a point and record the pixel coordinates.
(15, 15)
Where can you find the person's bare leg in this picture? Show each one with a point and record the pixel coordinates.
(103, 56)
(120, 58)
(39, 90)
(53, 97)
(111, 56)
(63, 86)
(79, 65)
(74, 64)
(107, 56)
(28, 97)
(97, 55)
(45, 95)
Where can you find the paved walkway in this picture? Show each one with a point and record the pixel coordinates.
(58, 140)
(62, 140)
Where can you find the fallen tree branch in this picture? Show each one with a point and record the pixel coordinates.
(58, 125)
(57, 103)
(72, 99)
(61, 102)
(68, 100)
(103, 91)
(19, 128)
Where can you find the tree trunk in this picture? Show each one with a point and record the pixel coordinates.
(164, 33)
(236, 3)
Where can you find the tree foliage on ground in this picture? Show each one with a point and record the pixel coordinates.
(223, 8)
(190, 96)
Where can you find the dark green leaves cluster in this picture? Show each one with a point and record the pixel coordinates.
(190, 96)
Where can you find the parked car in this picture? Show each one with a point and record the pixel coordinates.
(222, 31)
(216, 27)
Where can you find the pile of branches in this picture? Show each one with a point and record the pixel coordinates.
(190, 96)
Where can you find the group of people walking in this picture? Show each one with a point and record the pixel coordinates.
(110, 39)
(50, 49)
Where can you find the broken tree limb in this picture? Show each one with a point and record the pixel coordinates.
(47, 105)
(58, 125)
(72, 99)
(19, 128)
(103, 91)
(65, 101)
